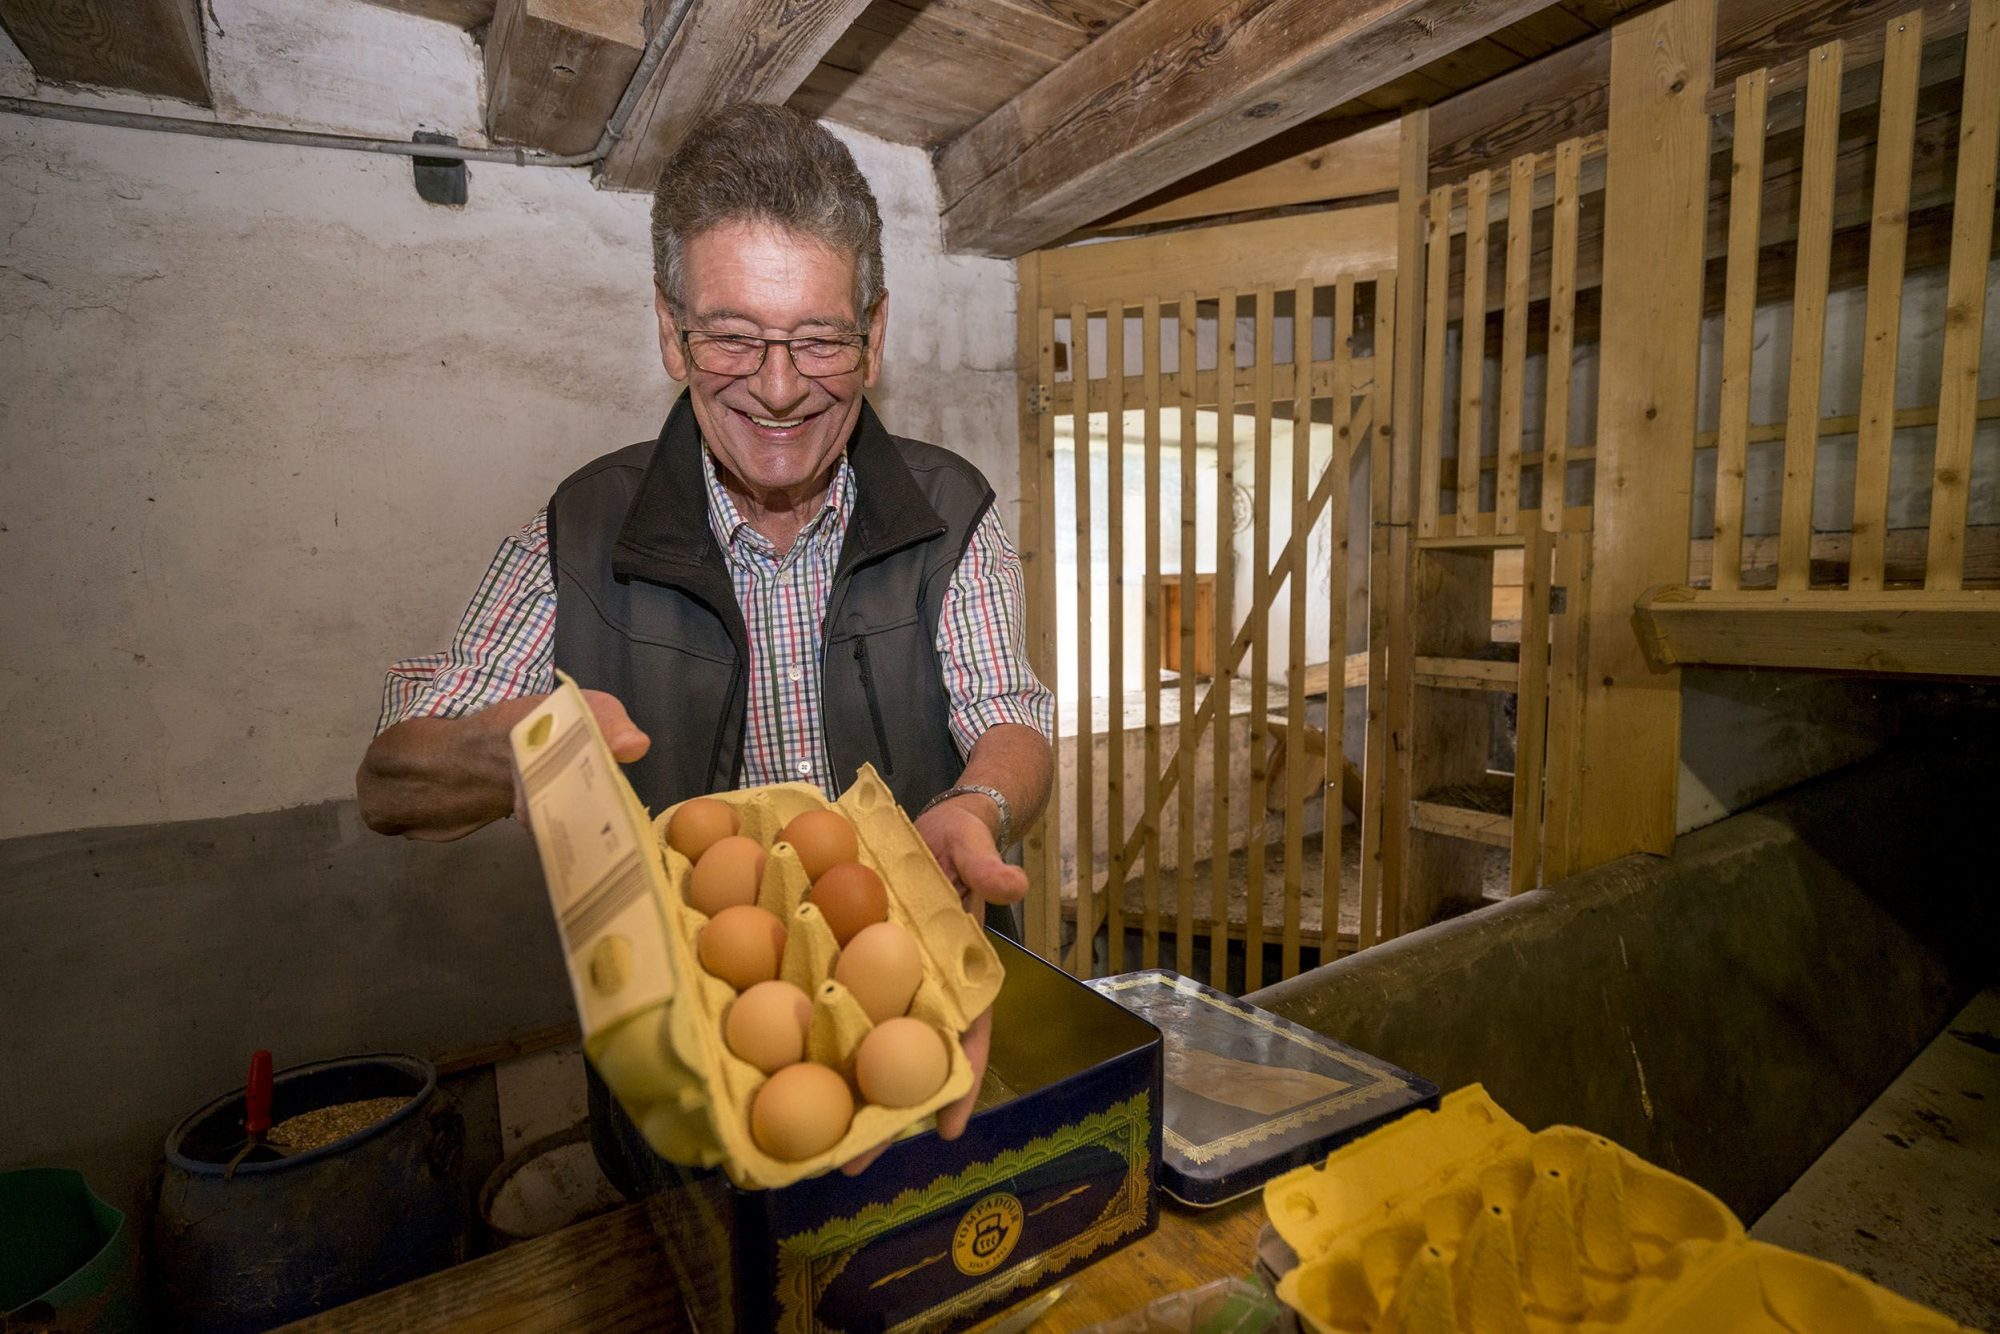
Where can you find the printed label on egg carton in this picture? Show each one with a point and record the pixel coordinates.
(1463, 1219)
(653, 1017)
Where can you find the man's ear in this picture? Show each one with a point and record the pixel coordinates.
(672, 355)
(878, 324)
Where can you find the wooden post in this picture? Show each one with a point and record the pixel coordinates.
(1114, 531)
(1086, 708)
(1042, 855)
(1531, 713)
(1902, 60)
(1472, 352)
(1149, 948)
(1656, 208)
(1295, 639)
(1222, 687)
(1739, 317)
(1260, 635)
(1430, 477)
(1514, 342)
(1562, 333)
(1190, 548)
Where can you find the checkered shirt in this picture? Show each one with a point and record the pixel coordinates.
(505, 643)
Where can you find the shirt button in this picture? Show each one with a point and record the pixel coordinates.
(795, 673)
(805, 767)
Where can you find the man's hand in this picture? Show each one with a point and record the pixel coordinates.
(621, 735)
(960, 835)
(952, 1120)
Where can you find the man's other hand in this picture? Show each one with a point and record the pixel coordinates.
(621, 735)
(952, 1120)
(960, 835)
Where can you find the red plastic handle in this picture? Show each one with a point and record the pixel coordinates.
(257, 1094)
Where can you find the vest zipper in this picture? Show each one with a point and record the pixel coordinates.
(874, 706)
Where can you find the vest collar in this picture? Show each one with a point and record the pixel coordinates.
(666, 533)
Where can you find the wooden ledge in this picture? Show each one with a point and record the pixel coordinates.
(1911, 631)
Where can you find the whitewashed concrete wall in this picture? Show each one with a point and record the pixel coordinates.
(264, 414)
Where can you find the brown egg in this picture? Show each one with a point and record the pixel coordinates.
(822, 839)
(800, 1112)
(850, 897)
(882, 968)
(766, 1025)
(742, 945)
(901, 1063)
(729, 873)
(696, 825)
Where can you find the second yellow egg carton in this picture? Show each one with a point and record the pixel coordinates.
(659, 1044)
(1462, 1219)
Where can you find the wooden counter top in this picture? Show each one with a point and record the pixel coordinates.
(607, 1274)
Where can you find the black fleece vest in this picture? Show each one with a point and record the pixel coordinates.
(645, 610)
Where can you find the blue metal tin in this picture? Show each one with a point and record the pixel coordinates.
(1248, 1094)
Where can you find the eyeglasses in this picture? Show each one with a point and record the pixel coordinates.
(743, 354)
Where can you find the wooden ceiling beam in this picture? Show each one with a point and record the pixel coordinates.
(1178, 85)
(1535, 107)
(1315, 169)
(140, 46)
(726, 51)
(555, 69)
(458, 13)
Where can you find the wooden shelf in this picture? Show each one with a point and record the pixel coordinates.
(1905, 632)
(1493, 828)
(1468, 674)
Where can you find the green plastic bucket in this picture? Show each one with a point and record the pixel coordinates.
(64, 1253)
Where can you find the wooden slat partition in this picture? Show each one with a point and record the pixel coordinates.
(1260, 636)
(1437, 299)
(1562, 332)
(1815, 257)
(1295, 696)
(1746, 202)
(1149, 947)
(1472, 351)
(1224, 685)
(1114, 531)
(1965, 298)
(1339, 464)
(1043, 847)
(1514, 341)
(1083, 963)
(1190, 546)
(1902, 60)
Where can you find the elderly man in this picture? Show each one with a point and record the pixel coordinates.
(775, 589)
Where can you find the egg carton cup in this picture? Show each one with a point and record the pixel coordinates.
(1462, 1219)
(652, 1016)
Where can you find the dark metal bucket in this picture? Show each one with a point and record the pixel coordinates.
(282, 1238)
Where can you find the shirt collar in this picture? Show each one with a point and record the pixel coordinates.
(726, 521)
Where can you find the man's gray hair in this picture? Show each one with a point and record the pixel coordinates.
(756, 163)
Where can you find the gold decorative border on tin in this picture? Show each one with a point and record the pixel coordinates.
(1333, 1103)
(808, 1262)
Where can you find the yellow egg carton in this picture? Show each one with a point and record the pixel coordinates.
(652, 1016)
(1461, 1219)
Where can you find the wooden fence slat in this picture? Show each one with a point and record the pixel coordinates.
(1965, 298)
(1531, 713)
(1222, 688)
(1295, 639)
(1902, 60)
(1413, 178)
(1815, 257)
(1437, 302)
(1389, 642)
(1739, 318)
(1563, 752)
(1340, 464)
(1043, 851)
(1514, 341)
(1086, 709)
(1562, 332)
(1149, 947)
(1472, 351)
(1260, 637)
(1114, 672)
(1190, 549)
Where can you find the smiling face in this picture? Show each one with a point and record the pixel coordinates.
(776, 435)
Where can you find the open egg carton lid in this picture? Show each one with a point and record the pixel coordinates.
(1249, 1094)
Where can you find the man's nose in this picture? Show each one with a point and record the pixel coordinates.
(778, 382)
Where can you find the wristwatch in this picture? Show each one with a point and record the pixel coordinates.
(1005, 838)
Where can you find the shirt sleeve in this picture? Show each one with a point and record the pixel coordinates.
(504, 647)
(982, 642)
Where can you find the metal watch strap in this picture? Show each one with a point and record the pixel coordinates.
(1005, 838)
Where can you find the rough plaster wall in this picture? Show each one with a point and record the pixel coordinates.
(264, 414)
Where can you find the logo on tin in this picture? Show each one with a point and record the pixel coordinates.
(987, 1234)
